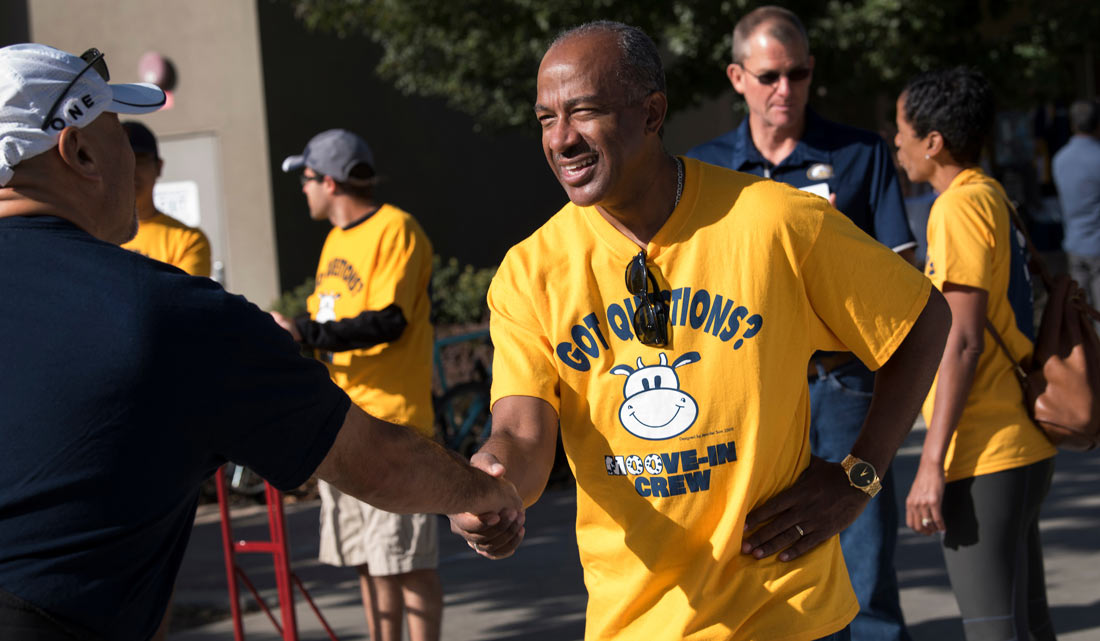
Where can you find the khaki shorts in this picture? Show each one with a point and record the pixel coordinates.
(355, 534)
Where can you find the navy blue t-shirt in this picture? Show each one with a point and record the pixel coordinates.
(855, 164)
(123, 384)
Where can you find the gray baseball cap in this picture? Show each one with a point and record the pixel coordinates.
(332, 153)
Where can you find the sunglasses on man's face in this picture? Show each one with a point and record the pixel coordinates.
(305, 180)
(798, 74)
(651, 317)
(94, 59)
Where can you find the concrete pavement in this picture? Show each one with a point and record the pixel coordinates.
(539, 594)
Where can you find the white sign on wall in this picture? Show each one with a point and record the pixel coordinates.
(179, 199)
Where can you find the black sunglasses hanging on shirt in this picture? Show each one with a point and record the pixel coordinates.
(651, 317)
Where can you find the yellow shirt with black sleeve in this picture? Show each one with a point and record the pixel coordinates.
(381, 261)
(671, 447)
(168, 240)
(970, 243)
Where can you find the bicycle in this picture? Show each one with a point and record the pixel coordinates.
(239, 481)
(242, 480)
(462, 417)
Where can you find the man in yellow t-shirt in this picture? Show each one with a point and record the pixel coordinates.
(665, 317)
(160, 236)
(369, 321)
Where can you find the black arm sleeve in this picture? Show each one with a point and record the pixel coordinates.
(365, 330)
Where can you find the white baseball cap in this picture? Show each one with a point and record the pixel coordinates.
(43, 90)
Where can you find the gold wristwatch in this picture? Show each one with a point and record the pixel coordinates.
(862, 475)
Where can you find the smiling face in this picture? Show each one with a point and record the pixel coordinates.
(781, 104)
(912, 150)
(655, 408)
(592, 136)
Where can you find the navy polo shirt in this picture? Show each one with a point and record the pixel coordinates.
(124, 383)
(855, 165)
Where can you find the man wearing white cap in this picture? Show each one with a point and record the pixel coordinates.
(369, 322)
(115, 363)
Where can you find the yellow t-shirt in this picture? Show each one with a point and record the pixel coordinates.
(383, 259)
(672, 447)
(168, 240)
(969, 244)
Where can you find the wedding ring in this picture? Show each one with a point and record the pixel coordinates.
(925, 522)
(800, 532)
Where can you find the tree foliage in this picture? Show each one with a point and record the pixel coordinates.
(481, 56)
(458, 292)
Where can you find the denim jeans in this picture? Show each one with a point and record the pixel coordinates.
(842, 635)
(838, 404)
(1086, 271)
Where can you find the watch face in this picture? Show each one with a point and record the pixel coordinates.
(862, 474)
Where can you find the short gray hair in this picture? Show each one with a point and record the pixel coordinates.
(783, 25)
(639, 67)
(1084, 116)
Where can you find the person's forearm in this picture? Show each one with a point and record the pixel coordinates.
(395, 469)
(960, 362)
(526, 470)
(368, 329)
(902, 384)
(524, 439)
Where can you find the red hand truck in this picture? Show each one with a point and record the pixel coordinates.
(279, 549)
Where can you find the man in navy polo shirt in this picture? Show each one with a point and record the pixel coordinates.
(784, 140)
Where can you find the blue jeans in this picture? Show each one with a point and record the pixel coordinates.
(842, 635)
(838, 404)
(1086, 271)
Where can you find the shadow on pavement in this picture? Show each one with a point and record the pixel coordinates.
(947, 629)
(1070, 618)
(538, 594)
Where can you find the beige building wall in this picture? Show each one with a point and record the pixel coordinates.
(215, 46)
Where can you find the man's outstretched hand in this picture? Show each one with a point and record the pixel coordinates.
(819, 505)
(496, 534)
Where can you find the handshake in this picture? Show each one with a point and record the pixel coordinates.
(494, 529)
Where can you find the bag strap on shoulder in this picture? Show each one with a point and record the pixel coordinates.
(1036, 258)
(1021, 375)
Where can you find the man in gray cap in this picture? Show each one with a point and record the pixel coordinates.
(368, 321)
(114, 362)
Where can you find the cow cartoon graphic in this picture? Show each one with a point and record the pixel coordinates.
(654, 406)
(326, 308)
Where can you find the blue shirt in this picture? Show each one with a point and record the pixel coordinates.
(124, 383)
(1076, 172)
(855, 164)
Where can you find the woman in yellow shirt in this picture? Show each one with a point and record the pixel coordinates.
(985, 467)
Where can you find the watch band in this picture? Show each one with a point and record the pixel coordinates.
(871, 489)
